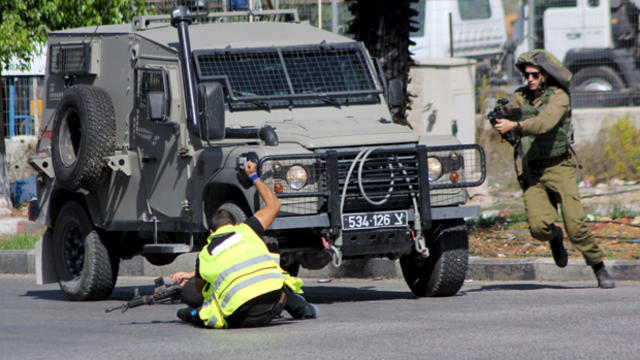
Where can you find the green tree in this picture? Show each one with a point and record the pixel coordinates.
(24, 26)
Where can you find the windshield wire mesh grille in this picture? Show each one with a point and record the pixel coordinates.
(320, 74)
(319, 70)
(253, 74)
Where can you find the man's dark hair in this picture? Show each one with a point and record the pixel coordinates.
(221, 218)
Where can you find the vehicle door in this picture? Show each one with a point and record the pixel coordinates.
(574, 24)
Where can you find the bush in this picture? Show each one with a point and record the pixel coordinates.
(623, 148)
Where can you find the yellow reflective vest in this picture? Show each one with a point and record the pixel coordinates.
(237, 267)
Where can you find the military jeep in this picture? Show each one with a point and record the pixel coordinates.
(149, 122)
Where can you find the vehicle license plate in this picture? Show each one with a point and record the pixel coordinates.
(374, 220)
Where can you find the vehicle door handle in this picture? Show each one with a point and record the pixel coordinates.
(574, 36)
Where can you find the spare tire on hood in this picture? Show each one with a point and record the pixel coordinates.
(84, 132)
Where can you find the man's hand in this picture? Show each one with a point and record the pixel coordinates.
(250, 168)
(268, 213)
(504, 126)
(181, 277)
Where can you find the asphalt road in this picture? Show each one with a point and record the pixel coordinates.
(359, 319)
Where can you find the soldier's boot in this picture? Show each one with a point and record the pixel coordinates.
(560, 255)
(605, 281)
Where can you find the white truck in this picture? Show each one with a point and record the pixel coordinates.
(595, 39)
(461, 28)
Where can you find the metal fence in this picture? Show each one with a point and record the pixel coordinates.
(333, 14)
(22, 107)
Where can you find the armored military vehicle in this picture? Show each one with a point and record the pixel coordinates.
(150, 121)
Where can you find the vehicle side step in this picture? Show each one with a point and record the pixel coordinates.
(165, 249)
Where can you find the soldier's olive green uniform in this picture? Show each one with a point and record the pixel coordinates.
(546, 136)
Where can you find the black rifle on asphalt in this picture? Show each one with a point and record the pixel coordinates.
(502, 111)
(162, 294)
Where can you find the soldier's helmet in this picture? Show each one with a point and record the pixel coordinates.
(549, 63)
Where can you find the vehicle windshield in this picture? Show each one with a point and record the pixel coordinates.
(334, 75)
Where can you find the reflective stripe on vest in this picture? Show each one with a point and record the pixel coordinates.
(246, 283)
(245, 264)
(227, 243)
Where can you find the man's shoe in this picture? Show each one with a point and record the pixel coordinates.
(310, 311)
(558, 251)
(187, 314)
(605, 281)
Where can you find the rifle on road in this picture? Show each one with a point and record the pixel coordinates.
(162, 294)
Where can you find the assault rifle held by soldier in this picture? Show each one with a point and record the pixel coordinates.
(502, 111)
(162, 294)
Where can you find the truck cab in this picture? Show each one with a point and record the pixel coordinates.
(595, 39)
(460, 28)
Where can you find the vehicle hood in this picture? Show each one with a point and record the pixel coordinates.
(349, 131)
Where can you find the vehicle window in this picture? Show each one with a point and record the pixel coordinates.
(474, 9)
(557, 3)
(270, 75)
(418, 20)
(152, 81)
(594, 3)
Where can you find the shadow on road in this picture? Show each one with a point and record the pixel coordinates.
(120, 293)
(522, 287)
(337, 294)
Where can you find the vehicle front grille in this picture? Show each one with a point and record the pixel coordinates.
(385, 177)
(380, 178)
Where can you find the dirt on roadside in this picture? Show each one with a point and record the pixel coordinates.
(613, 213)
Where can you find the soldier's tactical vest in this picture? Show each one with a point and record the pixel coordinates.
(237, 267)
(551, 144)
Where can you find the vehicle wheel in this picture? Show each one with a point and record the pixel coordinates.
(443, 272)
(292, 268)
(86, 268)
(597, 78)
(84, 132)
(239, 216)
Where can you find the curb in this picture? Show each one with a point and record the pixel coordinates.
(542, 269)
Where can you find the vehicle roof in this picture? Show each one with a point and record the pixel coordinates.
(221, 35)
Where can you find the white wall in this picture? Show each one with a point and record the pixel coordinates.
(445, 85)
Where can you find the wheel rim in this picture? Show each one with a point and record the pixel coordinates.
(597, 85)
(73, 251)
(69, 140)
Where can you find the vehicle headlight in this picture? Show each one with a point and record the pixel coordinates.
(435, 168)
(297, 177)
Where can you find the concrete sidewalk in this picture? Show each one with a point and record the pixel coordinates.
(543, 269)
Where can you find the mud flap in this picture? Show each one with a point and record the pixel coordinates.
(45, 266)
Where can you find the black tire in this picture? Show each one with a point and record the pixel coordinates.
(235, 210)
(86, 268)
(597, 78)
(292, 268)
(443, 272)
(84, 132)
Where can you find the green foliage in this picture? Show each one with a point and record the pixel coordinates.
(619, 212)
(24, 24)
(24, 241)
(623, 148)
(483, 222)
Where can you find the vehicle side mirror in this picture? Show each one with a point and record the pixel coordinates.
(396, 92)
(157, 108)
(211, 114)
